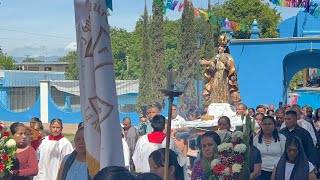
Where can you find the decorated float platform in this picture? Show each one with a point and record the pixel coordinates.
(210, 121)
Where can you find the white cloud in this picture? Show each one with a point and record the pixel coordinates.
(41, 50)
(71, 47)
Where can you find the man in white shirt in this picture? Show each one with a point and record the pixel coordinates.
(240, 109)
(178, 124)
(302, 123)
(176, 120)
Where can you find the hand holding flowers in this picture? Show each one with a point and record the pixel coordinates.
(230, 160)
(7, 152)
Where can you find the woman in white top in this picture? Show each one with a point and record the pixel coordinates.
(52, 150)
(294, 164)
(271, 145)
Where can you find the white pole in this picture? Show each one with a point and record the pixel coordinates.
(44, 99)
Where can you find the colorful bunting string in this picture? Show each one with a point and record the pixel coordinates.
(214, 19)
(109, 4)
(196, 13)
(170, 4)
(311, 7)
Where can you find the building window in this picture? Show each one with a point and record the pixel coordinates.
(47, 69)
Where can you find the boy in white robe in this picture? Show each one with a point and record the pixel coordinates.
(151, 142)
(52, 150)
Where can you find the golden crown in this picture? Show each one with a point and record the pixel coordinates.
(223, 39)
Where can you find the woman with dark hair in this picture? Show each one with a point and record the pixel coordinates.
(254, 161)
(35, 119)
(37, 134)
(316, 121)
(257, 122)
(224, 127)
(114, 173)
(52, 150)
(224, 123)
(251, 112)
(316, 127)
(294, 164)
(74, 165)
(156, 162)
(209, 142)
(271, 145)
(26, 164)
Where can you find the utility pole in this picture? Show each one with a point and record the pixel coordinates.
(1, 53)
(27, 60)
(127, 59)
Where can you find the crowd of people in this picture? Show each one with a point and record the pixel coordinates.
(284, 145)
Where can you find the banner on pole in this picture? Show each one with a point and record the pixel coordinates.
(99, 106)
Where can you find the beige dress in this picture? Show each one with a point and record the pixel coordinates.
(217, 88)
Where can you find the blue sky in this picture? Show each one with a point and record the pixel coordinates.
(46, 27)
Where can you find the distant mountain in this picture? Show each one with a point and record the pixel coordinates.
(42, 58)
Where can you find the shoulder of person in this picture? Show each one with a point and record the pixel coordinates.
(181, 118)
(66, 157)
(283, 131)
(282, 137)
(311, 166)
(64, 141)
(134, 128)
(303, 130)
(143, 138)
(29, 151)
(46, 138)
(256, 138)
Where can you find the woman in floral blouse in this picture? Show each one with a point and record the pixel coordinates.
(208, 151)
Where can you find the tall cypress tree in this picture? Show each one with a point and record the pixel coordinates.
(157, 53)
(210, 49)
(144, 97)
(188, 65)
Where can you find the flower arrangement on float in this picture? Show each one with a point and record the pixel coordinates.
(7, 152)
(231, 158)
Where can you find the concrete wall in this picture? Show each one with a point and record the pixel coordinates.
(265, 66)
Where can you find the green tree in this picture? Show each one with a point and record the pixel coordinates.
(144, 97)
(245, 11)
(171, 40)
(120, 42)
(6, 63)
(29, 59)
(126, 50)
(157, 52)
(188, 64)
(210, 30)
(295, 80)
(72, 71)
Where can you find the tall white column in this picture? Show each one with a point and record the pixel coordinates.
(44, 98)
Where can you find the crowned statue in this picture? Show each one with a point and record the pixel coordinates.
(221, 90)
(220, 76)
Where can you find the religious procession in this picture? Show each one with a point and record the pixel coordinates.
(233, 109)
